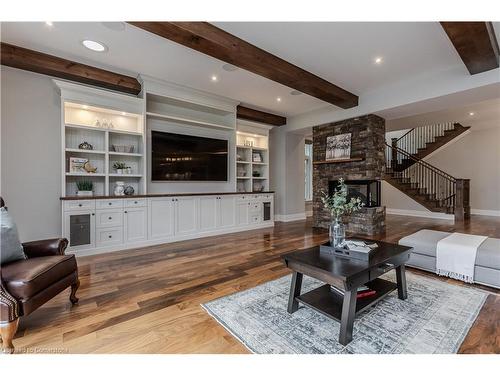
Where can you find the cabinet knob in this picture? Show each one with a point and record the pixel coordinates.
(109, 203)
(93, 214)
(126, 211)
(79, 205)
(109, 218)
(135, 202)
(110, 236)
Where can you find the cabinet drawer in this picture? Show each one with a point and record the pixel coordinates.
(109, 236)
(255, 206)
(109, 218)
(79, 205)
(255, 219)
(141, 202)
(109, 203)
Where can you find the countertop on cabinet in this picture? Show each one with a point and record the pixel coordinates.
(160, 195)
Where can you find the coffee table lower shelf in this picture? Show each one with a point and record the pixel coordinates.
(329, 302)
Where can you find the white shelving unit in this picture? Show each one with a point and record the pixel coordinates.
(104, 120)
(252, 157)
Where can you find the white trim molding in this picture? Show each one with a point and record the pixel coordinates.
(290, 217)
(475, 211)
(429, 214)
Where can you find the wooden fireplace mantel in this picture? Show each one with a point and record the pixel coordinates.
(338, 161)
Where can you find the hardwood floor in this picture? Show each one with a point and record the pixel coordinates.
(147, 300)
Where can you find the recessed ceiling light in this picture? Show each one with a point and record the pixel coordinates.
(229, 67)
(295, 93)
(378, 60)
(214, 78)
(85, 107)
(124, 113)
(471, 113)
(94, 46)
(49, 23)
(278, 99)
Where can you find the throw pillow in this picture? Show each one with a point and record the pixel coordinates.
(10, 247)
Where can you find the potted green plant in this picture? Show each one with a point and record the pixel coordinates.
(119, 167)
(339, 208)
(85, 188)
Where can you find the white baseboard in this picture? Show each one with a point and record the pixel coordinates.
(291, 217)
(429, 214)
(475, 211)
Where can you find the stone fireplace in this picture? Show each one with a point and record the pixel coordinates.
(363, 172)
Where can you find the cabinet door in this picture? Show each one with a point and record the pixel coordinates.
(186, 215)
(135, 224)
(242, 213)
(79, 229)
(208, 213)
(161, 218)
(227, 211)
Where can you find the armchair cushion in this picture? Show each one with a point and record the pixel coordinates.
(43, 248)
(25, 278)
(10, 247)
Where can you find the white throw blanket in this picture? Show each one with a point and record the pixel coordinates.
(456, 256)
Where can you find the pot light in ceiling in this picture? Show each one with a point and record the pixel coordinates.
(471, 113)
(229, 67)
(85, 106)
(295, 93)
(378, 60)
(278, 99)
(49, 23)
(94, 46)
(214, 78)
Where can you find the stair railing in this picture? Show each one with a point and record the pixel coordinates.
(418, 137)
(431, 181)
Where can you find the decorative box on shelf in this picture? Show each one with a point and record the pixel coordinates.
(354, 249)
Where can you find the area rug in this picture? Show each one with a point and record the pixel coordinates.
(434, 319)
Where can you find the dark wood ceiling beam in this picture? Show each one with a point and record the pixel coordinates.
(210, 40)
(250, 114)
(476, 44)
(26, 59)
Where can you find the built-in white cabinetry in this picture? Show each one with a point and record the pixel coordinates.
(208, 213)
(99, 225)
(161, 218)
(226, 211)
(135, 222)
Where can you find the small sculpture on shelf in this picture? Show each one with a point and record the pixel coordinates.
(119, 188)
(89, 168)
(85, 146)
(129, 190)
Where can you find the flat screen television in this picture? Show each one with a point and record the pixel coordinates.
(179, 157)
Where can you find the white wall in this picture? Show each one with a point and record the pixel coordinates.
(192, 186)
(31, 152)
(287, 171)
(475, 156)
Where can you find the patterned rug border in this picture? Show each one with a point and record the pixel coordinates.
(253, 351)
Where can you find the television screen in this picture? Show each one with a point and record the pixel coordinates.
(178, 157)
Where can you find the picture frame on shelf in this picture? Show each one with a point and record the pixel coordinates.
(256, 157)
(77, 165)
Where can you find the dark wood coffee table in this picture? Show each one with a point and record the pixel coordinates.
(347, 275)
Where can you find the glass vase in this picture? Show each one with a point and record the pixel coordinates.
(337, 233)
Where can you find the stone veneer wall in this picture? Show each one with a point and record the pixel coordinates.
(367, 142)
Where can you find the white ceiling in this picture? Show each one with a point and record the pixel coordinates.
(341, 53)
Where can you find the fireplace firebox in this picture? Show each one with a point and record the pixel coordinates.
(367, 190)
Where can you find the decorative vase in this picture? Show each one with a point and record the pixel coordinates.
(337, 233)
(119, 171)
(119, 188)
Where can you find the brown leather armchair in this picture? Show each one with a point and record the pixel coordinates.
(27, 284)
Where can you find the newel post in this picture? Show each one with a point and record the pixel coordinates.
(394, 156)
(462, 199)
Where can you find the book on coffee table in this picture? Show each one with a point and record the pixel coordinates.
(363, 291)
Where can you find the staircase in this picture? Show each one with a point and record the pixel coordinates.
(423, 141)
(433, 188)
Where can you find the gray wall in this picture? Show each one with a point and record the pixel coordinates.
(31, 152)
(287, 171)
